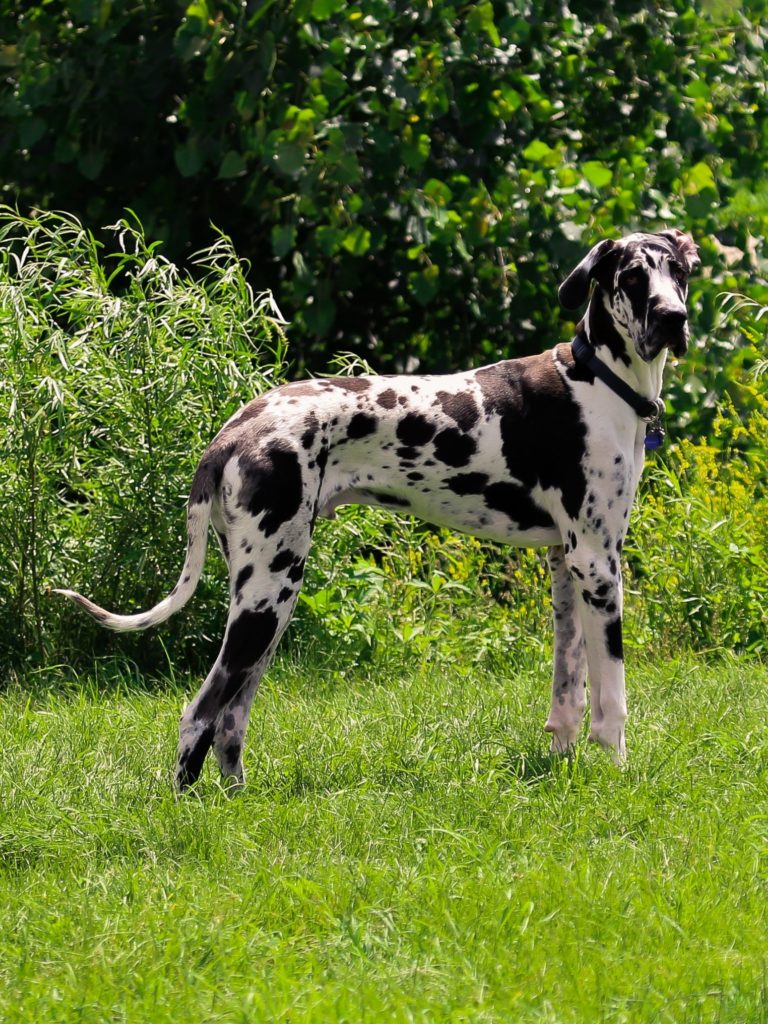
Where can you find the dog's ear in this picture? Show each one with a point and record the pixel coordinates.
(574, 290)
(687, 249)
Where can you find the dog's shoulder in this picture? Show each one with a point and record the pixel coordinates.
(524, 382)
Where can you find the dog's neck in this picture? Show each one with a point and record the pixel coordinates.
(617, 350)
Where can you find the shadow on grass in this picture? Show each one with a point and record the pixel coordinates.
(534, 766)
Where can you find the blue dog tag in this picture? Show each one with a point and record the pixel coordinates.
(654, 437)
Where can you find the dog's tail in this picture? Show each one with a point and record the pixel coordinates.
(198, 517)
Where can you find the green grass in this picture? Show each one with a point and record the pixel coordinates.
(405, 851)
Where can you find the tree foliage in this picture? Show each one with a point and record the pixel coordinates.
(412, 180)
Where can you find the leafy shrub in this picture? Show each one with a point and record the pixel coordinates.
(411, 179)
(106, 403)
(699, 544)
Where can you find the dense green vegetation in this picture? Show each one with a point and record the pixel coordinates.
(108, 401)
(411, 180)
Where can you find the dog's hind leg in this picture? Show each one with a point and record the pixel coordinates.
(569, 681)
(229, 734)
(265, 578)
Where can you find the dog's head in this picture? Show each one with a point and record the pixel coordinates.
(642, 283)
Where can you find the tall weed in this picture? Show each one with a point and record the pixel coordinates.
(116, 372)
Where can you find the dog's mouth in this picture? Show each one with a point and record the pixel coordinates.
(664, 334)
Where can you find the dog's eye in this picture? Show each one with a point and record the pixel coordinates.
(631, 279)
(679, 275)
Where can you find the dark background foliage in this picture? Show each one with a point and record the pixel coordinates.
(411, 180)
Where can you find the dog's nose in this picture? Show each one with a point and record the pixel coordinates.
(670, 319)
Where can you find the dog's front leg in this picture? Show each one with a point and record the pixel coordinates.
(599, 601)
(570, 664)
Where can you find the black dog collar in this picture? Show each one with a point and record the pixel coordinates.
(646, 408)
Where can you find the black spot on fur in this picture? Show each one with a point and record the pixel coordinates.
(232, 754)
(601, 327)
(454, 448)
(247, 641)
(542, 431)
(415, 476)
(296, 572)
(209, 472)
(460, 407)
(251, 411)
(285, 595)
(224, 543)
(282, 561)
(597, 602)
(407, 453)
(361, 425)
(191, 761)
(242, 577)
(515, 502)
(415, 429)
(300, 389)
(613, 639)
(272, 484)
(634, 284)
(468, 483)
(311, 426)
(393, 500)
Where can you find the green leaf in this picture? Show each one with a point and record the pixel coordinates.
(480, 19)
(319, 315)
(328, 239)
(289, 157)
(323, 9)
(232, 165)
(91, 163)
(283, 240)
(198, 9)
(31, 131)
(65, 150)
(357, 241)
(698, 179)
(539, 152)
(425, 284)
(438, 191)
(511, 97)
(188, 158)
(597, 173)
(415, 151)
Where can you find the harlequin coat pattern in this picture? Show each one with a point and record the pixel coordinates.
(531, 452)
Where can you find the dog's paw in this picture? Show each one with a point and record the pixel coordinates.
(564, 737)
(612, 743)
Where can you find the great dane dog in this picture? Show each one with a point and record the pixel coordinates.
(543, 450)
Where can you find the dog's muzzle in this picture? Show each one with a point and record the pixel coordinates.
(667, 328)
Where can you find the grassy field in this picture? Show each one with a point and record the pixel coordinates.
(405, 851)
